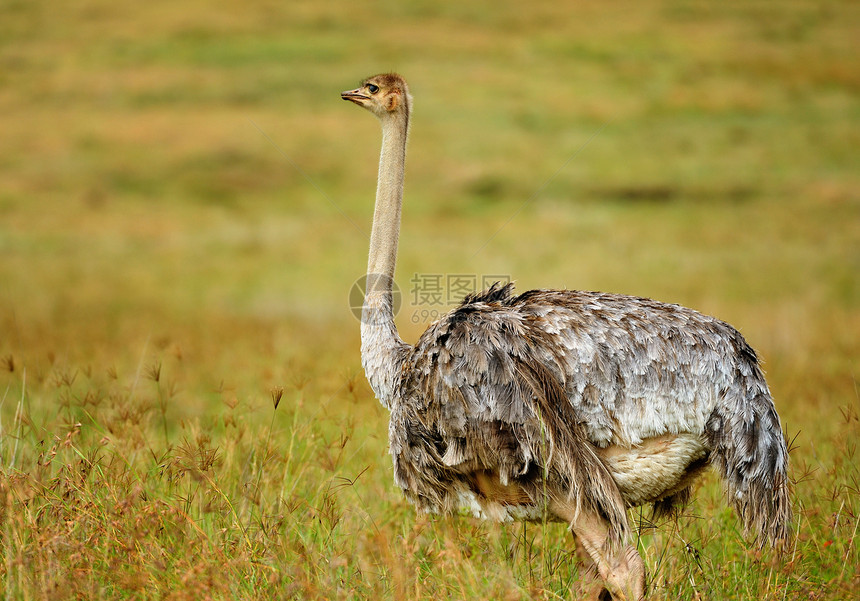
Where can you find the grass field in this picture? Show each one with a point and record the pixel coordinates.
(185, 202)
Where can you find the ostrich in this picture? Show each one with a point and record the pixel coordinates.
(562, 404)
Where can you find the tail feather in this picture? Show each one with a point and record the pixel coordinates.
(750, 452)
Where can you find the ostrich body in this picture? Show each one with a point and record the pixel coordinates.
(563, 404)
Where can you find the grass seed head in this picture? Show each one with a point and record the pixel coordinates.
(277, 393)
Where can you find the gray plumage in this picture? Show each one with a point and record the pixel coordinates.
(563, 404)
(532, 386)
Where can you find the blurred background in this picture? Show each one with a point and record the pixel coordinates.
(185, 204)
(183, 175)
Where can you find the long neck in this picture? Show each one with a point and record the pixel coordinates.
(382, 350)
(389, 197)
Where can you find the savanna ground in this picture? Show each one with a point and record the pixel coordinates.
(185, 203)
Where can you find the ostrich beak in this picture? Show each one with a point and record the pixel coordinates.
(354, 96)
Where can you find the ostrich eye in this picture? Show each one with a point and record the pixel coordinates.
(373, 89)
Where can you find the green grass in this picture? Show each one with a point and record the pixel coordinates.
(184, 205)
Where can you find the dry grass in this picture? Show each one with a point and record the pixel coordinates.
(184, 204)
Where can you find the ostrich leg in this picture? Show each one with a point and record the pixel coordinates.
(621, 569)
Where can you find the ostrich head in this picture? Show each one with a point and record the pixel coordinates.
(384, 95)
